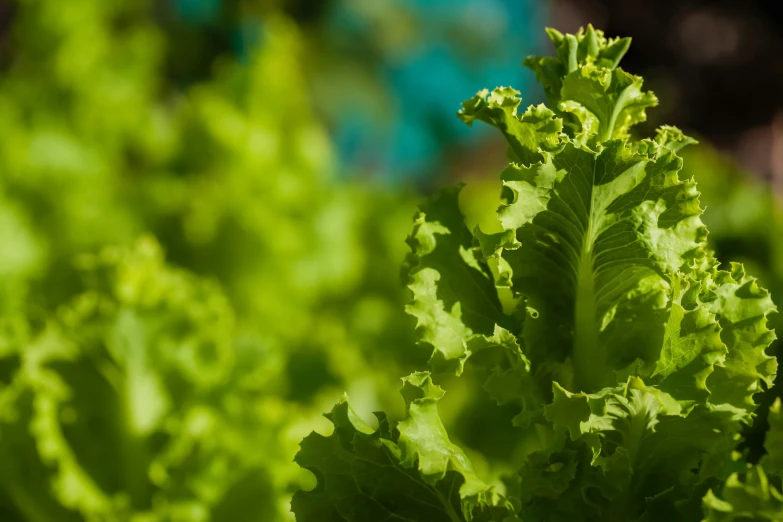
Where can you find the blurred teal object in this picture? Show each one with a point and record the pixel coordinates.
(197, 11)
(388, 75)
(419, 57)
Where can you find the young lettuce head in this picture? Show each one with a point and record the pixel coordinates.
(598, 311)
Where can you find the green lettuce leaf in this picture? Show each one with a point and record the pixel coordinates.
(406, 472)
(750, 499)
(583, 83)
(773, 442)
(536, 129)
(455, 300)
(754, 494)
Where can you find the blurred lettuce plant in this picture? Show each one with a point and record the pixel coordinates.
(137, 389)
(135, 401)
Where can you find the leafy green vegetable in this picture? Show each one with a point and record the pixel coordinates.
(774, 440)
(598, 310)
(751, 499)
(407, 472)
(754, 495)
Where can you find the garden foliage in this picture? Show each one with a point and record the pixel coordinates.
(184, 285)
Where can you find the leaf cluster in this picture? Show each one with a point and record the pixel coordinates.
(597, 311)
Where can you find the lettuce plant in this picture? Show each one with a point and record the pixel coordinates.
(630, 355)
(137, 400)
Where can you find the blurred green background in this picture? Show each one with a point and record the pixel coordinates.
(204, 206)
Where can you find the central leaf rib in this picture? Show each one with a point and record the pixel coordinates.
(589, 357)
